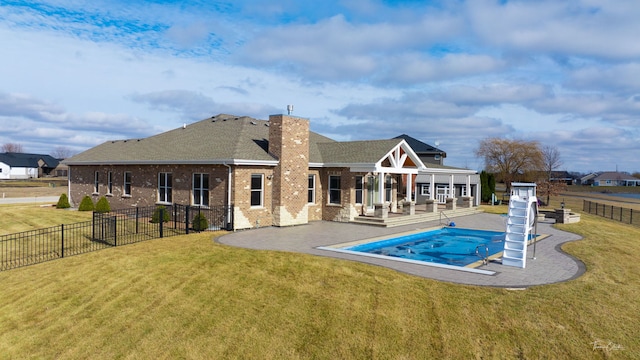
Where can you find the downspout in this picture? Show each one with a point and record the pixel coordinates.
(69, 184)
(228, 193)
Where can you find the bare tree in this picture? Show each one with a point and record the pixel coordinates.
(13, 148)
(61, 152)
(510, 159)
(552, 161)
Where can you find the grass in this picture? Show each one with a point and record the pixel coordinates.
(23, 217)
(189, 297)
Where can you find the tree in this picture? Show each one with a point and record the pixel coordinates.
(551, 162)
(487, 186)
(12, 148)
(63, 202)
(102, 206)
(61, 152)
(86, 204)
(510, 159)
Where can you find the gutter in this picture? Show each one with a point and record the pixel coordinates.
(228, 193)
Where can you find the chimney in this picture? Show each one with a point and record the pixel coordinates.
(289, 143)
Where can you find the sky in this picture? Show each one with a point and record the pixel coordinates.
(76, 73)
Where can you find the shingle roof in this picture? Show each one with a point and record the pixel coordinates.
(226, 138)
(28, 160)
(420, 147)
(356, 152)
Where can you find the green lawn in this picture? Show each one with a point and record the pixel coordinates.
(189, 297)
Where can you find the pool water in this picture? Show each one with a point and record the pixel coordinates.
(450, 246)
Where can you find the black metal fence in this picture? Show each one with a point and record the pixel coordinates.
(627, 216)
(116, 228)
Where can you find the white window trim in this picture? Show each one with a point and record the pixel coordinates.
(361, 189)
(261, 190)
(125, 182)
(167, 186)
(96, 182)
(424, 189)
(312, 189)
(110, 183)
(201, 188)
(329, 188)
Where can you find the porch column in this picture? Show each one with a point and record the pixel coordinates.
(381, 187)
(468, 185)
(432, 187)
(409, 187)
(452, 190)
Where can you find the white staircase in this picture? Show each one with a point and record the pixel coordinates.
(523, 208)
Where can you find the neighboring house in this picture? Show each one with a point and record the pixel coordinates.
(563, 176)
(614, 178)
(26, 166)
(427, 153)
(273, 172)
(588, 179)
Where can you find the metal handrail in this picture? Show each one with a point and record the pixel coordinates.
(445, 215)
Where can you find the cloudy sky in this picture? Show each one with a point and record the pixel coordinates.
(75, 73)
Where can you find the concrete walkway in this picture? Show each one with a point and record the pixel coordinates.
(550, 266)
(33, 199)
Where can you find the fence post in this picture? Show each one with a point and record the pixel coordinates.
(115, 231)
(630, 216)
(137, 218)
(162, 210)
(186, 218)
(62, 240)
(611, 212)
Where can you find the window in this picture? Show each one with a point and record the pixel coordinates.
(126, 188)
(109, 182)
(388, 184)
(201, 189)
(359, 189)
(334, 189)
(311, 195)
(96, 182)
(424, 189)
(256, 189)
(164, 187)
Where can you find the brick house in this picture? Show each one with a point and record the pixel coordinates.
(274, 173)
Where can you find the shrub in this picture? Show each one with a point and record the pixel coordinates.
(102, 206)
(63, 202)
(200, 222)
(155, 218)
(86, 204)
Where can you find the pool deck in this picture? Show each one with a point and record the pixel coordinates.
(551, 265)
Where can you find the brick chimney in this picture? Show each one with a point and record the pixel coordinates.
(289, 143)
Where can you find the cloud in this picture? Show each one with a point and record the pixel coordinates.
(194, 106)
(617, 77)
(591, 28)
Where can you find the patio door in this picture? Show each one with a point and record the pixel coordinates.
(441, 193)
(373, 191)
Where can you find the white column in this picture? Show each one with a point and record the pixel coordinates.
(452, 190)
(468, 185)
(381, 187)
(409, 188)
(432, 186)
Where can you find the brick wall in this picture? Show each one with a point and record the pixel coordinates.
(289, 143)
(245, 215)
(144, 183)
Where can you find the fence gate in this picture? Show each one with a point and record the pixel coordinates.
(104, 228)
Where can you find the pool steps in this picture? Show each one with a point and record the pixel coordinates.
(523, 209)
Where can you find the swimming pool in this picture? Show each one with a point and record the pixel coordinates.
(454, 248)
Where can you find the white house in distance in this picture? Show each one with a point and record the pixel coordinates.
(26, 166)
(610, 178)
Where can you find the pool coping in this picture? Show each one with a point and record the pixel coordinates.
(551, 265)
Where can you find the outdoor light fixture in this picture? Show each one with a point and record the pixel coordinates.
(562, 204)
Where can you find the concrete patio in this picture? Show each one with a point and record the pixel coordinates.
(551, 265)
